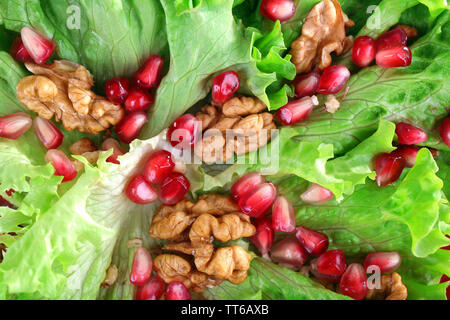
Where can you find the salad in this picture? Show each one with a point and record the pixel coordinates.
(224, 149)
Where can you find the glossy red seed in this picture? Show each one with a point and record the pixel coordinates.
(152, 290)
(316, 194)
(117, 89)
(331, 263)
(224, 86)
(409, 134)
(386, 261)
(245, 184)
(19, 52)
(110, 143)
(38, 46)
(289, 251)
(184, 132)
(257, 203)
(314, 242)
(394, 57)
(445, 278)
(158, 166)
(140, 191)
(333, 79)
(283, 216)
(141, 269)
(138, 100)
(149, 75)
(296, 110)
(177, 291)
(353, 282)
(323, 277)
(445, 131)
(13, 126)
(363, 52)
(263, 238)
(306, 84)
(388, 167)
(278, 9)
(390, 39)
(50, 136)
(408, 153)
(130, 126)
(63, 166)
(174, 188)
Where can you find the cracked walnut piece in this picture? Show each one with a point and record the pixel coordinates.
(62, 90)
(86, 148)
(322, 33)
(392, 288)
(170, 221)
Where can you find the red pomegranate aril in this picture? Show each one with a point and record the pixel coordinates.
(289, 251)
(445, 278)
(152, 290)
(296, 110)
(263, 238)
(354, 282)
(246, 183)
(445, 131)
(130, 126)
(13, 126)
(111, 143)
(316, 194)
(116, 90)
(50, 136)
(159, 166)
(149, 75)
(333, 79)
(283, 216)
(63, 166)
(174, 188)
(256, 203)
(409, 134)
(37, 45)
(5, 203)
(141, 269)
(323, 277)
(225, 86)
(408, 153)
(184, 132)
(19, 52)
(331, 263)
(278, 9)
(388, 167)
(177, 291)
(394, 57)
(138, 100)
(390, 39)
(306, 84)
(140, 191)
(386, 261)
(314, 242)
(363, 52)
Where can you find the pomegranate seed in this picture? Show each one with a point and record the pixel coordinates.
(388, 167)
(141, 269)
(18, 51)
(5, 203)
(149, 75)
(289, 251)
(13, 126)
(152, 290)
(395, 57)
(331, 263)
(263, 238)
(306, 84)
(408, 134)
(386, 261)
(445, 131)
(177, 291)
(110, 143)
(138, 100)
(174, 188)
(63, 166)
(38, 46)
(278, 9)
(283, 216)
(333, 79)
(316, 194)
(10, 192)
(296, 111)
(50, 136)
(116, 90)
(245, 184)
(140, 191)
(408, 153)
(445, 278)
(391, 39)
(257, 203)
(363, 52)
(224, 86)
(184, 132)
(130, 126)
(158, 166)
(314, 242)
(321, 276)
(354, 282)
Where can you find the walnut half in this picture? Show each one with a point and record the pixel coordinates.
(391, 288)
